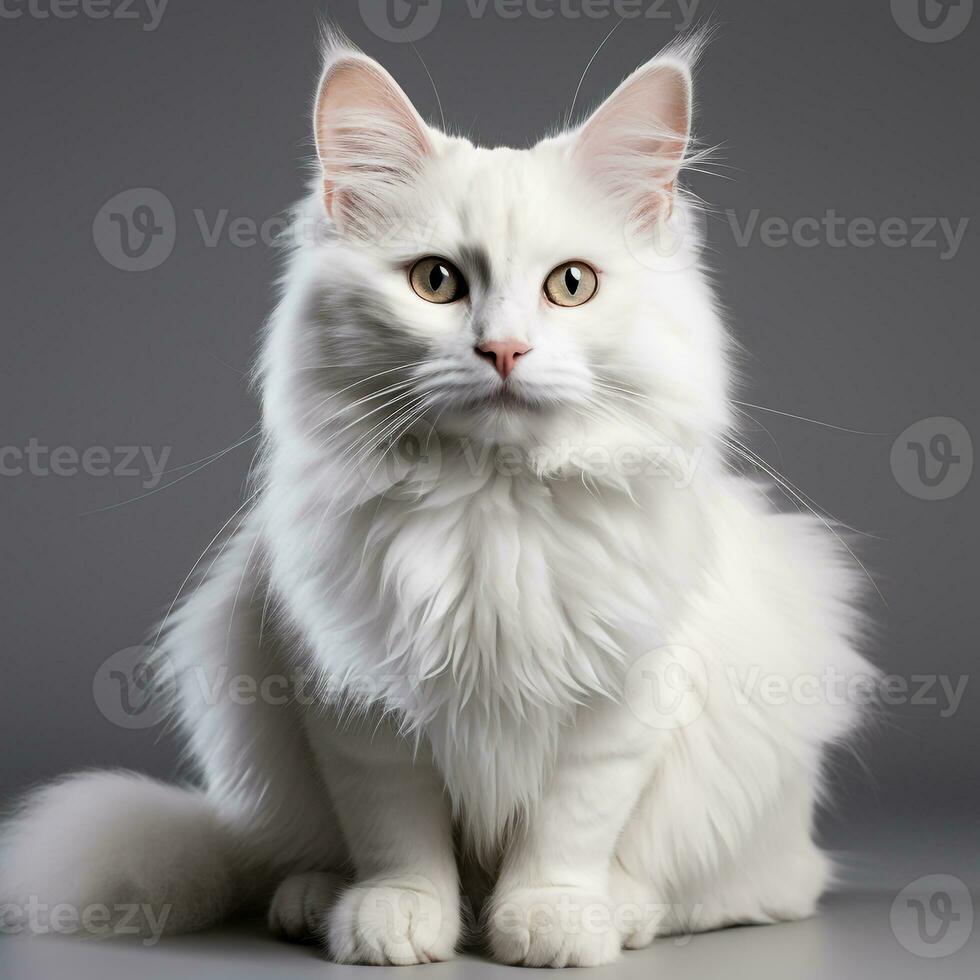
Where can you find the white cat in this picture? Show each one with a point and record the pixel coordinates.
(496, 530)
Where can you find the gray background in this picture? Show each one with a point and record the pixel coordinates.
(818, 106)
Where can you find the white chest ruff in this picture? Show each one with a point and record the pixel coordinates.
(483, 613)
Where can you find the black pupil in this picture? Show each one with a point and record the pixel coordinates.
(437, 276)
(573, 277)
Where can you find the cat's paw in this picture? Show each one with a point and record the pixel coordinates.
(553, 926)
(299, 907)
(395, 921)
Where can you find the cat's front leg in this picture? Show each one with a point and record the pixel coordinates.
(552, 905)
(403, 907)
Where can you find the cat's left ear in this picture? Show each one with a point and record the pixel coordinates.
(635, 142)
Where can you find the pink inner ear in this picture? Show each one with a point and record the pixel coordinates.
(363, 120)
(636, 140)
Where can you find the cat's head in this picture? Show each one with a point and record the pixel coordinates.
(516, 296)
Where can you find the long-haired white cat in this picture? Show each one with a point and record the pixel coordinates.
(536, 639)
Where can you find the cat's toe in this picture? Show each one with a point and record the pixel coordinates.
(300, 905)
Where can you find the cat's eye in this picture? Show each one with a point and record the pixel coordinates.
(571, 284)
(437, 280)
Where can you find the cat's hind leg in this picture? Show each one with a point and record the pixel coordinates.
(778, 876)
(238, 702)
(682, 885)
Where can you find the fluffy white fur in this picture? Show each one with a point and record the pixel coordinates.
(468, 614)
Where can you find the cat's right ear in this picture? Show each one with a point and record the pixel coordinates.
(370, 140)
(635, 142)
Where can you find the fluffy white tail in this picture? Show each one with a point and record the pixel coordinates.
(103, 852)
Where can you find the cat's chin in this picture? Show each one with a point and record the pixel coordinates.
(501, 417)
(516, 420)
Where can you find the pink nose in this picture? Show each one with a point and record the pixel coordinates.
(503, 354)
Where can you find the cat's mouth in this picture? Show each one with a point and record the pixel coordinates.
(504, 398)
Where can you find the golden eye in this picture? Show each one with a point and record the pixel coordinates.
(571, 284)
(437, 280)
